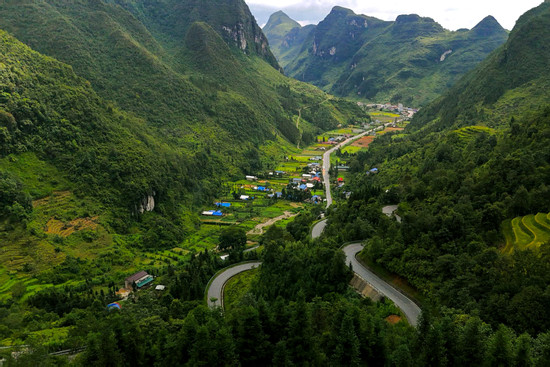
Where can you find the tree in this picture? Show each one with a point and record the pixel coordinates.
(499, 351)
(232, 238)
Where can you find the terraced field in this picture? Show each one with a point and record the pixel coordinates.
(470, 132)
(528, 232)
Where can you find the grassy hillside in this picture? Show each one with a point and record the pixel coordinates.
(412, 60)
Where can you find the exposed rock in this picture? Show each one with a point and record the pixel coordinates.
(147, 204)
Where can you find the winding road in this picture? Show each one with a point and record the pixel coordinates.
(409, 308)
(215, 291)
(318, 228)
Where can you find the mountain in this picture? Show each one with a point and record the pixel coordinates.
(470, 166)
(411, 60)
(278, 26)
(230, 18)
(286, 36)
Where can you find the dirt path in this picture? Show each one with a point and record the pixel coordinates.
(259, 229)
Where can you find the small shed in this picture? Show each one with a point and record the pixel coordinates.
(141, 279)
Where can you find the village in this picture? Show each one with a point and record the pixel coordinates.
(275, 196)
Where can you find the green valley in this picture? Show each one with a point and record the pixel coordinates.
(169, 197)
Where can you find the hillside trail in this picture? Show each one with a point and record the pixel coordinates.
(259, 229)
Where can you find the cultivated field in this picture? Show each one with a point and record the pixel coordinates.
(527, 232)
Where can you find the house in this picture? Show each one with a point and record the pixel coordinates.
(296, 180)
(244, 197)
(309, 185)
(317, 178)
(251, 178)
(306, 176)
(303, 187)
(343, 168)
(374, 170)
(223, 205)
(208, 212)
(340, 179)
(160, 287)
(279, 195)
(140, 279)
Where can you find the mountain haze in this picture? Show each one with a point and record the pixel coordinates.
(410, 60)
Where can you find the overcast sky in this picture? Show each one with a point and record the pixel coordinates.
(450, 14)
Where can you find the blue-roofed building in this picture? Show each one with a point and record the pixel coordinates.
(223, 205)
(374, 170)
(217, 213)
(279, 195)
(303, 187)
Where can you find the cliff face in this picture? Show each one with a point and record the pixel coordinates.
(231, 19)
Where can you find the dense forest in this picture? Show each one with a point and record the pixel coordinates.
(471, 161)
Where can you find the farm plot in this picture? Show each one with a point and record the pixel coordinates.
(528, 232)
(363, 142)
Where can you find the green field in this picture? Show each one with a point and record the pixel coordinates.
(528, 232)
(351, 149)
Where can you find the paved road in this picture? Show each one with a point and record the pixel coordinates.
(390, 210)
(318, 228)
(217, 285)
(326, 164)
(409, 308)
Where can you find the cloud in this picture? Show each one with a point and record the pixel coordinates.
(452, 15)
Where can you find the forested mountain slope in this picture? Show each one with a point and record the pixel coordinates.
(411, 60)
(200, 74)
(469, 161)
